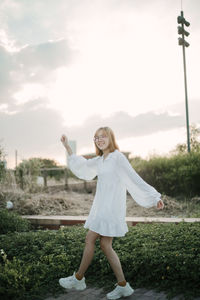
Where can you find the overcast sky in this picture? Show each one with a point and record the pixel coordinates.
(70, 66)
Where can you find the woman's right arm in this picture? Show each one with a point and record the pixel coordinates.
(81, 167)
(65, 143)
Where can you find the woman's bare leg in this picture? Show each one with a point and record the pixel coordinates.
(106, 246)
(88, 252)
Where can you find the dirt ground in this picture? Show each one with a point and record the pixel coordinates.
(73, 203)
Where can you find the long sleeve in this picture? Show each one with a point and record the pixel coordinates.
(83, 168)
(143, 193)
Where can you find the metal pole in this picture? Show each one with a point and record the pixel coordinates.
(186, 94)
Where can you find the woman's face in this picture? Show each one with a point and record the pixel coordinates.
(101, 140)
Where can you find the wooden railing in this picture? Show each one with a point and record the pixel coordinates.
(44, 173)
(82, 185)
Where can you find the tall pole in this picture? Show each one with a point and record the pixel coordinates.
(182, 42)
(186, 92)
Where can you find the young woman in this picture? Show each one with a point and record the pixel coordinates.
(107, 215)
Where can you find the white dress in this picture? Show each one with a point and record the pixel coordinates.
(115, 177)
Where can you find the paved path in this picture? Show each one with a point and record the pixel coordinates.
(99, 294)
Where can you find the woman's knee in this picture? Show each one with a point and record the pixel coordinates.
(91, 238)
(106, 244)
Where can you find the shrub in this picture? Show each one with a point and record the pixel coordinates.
(27, 173)
(11, 222)
(158, 256)
(174, 176)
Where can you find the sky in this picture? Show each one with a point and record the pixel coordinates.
(71, 66)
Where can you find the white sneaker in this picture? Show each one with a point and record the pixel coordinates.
(120, 291)
(71, 282)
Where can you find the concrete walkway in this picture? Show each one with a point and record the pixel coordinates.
(99, 294)
(55, 222)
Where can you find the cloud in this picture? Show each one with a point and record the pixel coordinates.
(33, 22)
(35, 130)
(125, 125)
(7, 84)
(32, 64)
(193, 110)
(49, 55)
(128, 61)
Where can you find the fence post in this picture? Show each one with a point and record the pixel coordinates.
(66, 179)
(85, 186)
(45, 178)
(21, 176)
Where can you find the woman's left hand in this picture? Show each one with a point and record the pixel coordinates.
(160, 204)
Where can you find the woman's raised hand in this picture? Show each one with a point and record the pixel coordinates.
(64, 140)
(65, 143)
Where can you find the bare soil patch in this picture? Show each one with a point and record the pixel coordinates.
(56, 201)
(72, 203)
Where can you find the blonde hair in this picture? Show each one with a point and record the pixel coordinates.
(112, 142)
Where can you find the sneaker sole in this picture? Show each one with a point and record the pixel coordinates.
(115, 298)
(80, 289)
(73, 287)
(129, 294)
(77, 287)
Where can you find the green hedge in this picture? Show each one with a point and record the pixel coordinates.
(158, 256)
(11, 222)
(174, 176)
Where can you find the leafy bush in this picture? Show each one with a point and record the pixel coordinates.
(27, 173)
(164, 256)
(2, 170)
(11, 222)
(194, 141)
(174, 176)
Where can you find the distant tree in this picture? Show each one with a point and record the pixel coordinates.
(194, 141)
(1, 152)
(48, 163)
(27, 172)
(2, 162)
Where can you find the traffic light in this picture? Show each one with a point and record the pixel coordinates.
(181, 40)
